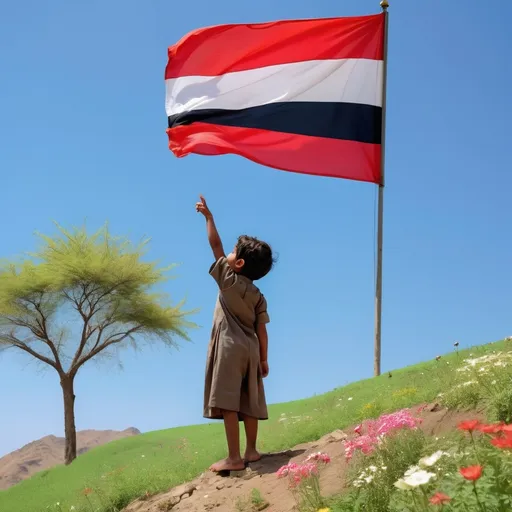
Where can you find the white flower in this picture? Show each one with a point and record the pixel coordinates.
(350, 398)
(143, 456)
(357, 483)
(427, 462)
(493, 382)
(368, 479)
(372, 468)
(400, 484)
(412, 470)
(384, 468)
(418, 478)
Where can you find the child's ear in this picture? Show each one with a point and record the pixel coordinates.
(239, 264)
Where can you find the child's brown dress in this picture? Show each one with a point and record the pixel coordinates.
(233, 377)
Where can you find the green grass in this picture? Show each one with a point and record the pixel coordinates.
(123, 470)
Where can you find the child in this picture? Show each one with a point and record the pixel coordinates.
(237, 355)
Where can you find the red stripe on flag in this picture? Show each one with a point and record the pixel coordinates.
(224, 49)
(289, 152)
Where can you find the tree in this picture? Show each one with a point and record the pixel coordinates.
(100, 281)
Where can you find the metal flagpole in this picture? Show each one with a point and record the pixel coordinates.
(380, 208)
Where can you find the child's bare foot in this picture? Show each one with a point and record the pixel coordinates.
(228, 465)
(252, 456)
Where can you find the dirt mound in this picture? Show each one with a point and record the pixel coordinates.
(213, 492)
(49, 451)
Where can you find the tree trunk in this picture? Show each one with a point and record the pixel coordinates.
(67, 384)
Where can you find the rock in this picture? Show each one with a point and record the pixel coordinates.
(167, 504)
(249, 474)
(185, 496)
(333, 437)
(238, 474)
(220, 487)
(179, 491)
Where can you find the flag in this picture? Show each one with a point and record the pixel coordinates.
(302, 96)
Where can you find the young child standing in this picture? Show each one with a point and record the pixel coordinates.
(237, 354)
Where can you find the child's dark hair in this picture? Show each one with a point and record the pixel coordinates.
(257, 256)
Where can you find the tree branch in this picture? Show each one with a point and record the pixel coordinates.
(111, 340)
(45, 338)
(86, 317)
(15, 342)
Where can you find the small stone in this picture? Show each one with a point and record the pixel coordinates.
(220, 487)
(183, 489)
(337, 435)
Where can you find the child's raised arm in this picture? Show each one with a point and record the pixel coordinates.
(211, 229)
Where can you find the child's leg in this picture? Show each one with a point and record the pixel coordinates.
(251, 433)
(234, 461)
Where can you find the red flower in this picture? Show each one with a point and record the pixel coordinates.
(471, 472)
(469, 425)
(506, 428)
(502, 442)
(440, 499)
(490, 429)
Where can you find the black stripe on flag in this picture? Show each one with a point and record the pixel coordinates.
(345, 121)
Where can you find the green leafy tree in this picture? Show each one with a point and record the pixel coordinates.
(102, 283)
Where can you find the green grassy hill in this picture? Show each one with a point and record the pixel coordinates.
(109, 477)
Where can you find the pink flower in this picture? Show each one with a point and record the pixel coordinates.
(358, 430)
(377, 429)
(365, 443)
(319, 457)
(297, 472)
(286, 470)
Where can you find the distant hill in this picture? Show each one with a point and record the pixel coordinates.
(49, 451)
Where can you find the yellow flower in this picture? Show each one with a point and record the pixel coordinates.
(324, 509)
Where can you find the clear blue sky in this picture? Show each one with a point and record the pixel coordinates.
(82, 136)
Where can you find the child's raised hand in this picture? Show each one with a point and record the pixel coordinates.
(202, 207)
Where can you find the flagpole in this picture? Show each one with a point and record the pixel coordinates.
(380, 208)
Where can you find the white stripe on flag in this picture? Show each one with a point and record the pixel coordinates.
(343, 80)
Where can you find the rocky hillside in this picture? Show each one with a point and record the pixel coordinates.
(49, 451)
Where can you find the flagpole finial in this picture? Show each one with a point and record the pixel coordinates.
(384, 5)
